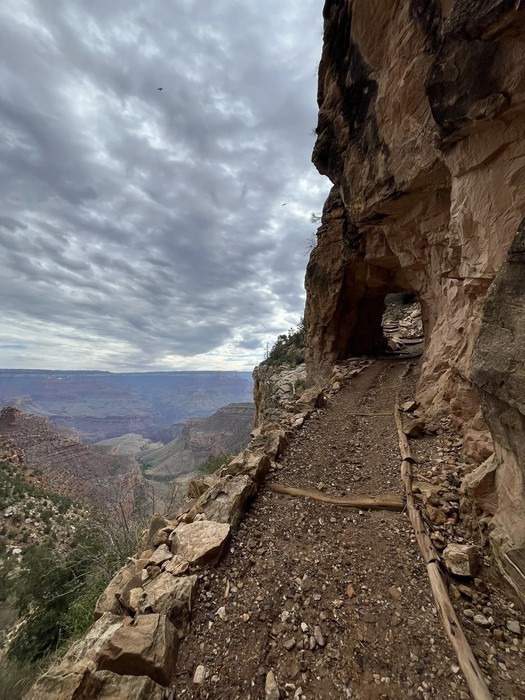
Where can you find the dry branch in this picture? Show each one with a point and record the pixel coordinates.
(385, 501)
(466, 659)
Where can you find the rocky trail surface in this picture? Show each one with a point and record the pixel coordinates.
(318, 601)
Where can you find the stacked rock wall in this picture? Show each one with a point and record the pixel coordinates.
(422, 132)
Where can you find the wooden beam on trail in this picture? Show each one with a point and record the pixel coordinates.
(465, 656)
(385, 501)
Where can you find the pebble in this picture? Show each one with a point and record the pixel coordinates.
(481, 620)
(318, 636)
(289, 644)
(514, 626)
(271, 689)
(199, 675)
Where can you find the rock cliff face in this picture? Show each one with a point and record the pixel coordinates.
(422, 132)
(70, 468)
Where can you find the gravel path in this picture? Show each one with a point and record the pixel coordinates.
(335, 602)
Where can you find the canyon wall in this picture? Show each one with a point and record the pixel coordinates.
(422, 132)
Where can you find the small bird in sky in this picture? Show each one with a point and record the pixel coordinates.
(285, 203)
(159, 88)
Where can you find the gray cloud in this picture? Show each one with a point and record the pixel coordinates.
(145, 228)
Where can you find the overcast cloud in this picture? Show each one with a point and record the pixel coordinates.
(144, 228)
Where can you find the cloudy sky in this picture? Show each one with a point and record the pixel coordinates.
(143, 228)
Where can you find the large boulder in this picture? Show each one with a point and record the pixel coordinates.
(254, 464)
(148, 647)
(201, 542)
(94, 685)
(201, 484)
(117, 587)
(172, 596)
(225, 502)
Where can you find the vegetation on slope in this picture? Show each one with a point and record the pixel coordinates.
(56, 557)
(288, 349)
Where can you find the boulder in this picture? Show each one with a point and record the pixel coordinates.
(172, 596)
(103, 685)
(107, 601)
(157, 523)
(311, 398)
(201, 542)
(200, 485)
(480, 486)
(461, 559)
(276, 442)
(176, 566)
(225, 502)
(160, 555)
(148, 647)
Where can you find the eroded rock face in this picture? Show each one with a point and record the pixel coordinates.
(422, 132)
(499, 373)
(421, 129)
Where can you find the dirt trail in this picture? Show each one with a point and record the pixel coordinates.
(336, 602)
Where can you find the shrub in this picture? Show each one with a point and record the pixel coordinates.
(288, 348)
(57, 590)
(214, 463)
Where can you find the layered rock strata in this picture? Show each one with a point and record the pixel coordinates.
(422, 132)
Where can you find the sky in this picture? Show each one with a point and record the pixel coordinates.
(147, 229)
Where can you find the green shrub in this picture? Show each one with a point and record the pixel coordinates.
(288, 348)
(56, 591)
(214, 463)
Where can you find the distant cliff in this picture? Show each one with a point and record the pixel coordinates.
(422, 132)
(101, 405)
(68, 467)
(227, 431)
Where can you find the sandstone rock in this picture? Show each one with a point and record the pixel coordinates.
(199, 486)
(103, 685)
(201, 542)
(107, 602)
(499, 373)
(436, 516)
(461, 559)
(480, 486)
(200, 675)
(161, 537)
(312, 397)
(271, 689)
(176, 566)
(135, 595)
(254, 464)
(172, 596)
(157, 522)
(409, 406)
(146, 648)
(415, 428)
(225, 502)
(514, 626)
(160, 555)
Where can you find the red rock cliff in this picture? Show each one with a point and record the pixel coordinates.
(422, 132)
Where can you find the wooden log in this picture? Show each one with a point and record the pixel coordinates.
(385, 501)
(465, 656)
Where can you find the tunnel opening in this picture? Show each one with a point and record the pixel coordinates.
(402, 323)
(386, 322)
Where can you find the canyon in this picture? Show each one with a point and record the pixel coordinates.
(421, 131)
(102, 405)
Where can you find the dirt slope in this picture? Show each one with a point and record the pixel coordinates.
(336, 602)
